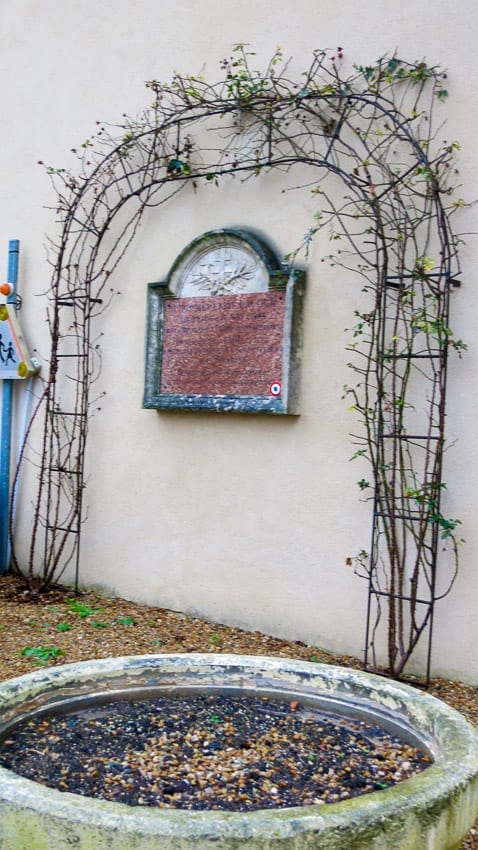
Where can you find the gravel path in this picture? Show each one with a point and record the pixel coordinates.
(55, 631)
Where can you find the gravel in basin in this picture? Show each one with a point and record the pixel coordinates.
(204, 752)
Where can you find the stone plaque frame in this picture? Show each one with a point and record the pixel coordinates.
(224, 330)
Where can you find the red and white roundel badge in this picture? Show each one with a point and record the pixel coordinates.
(275, 388)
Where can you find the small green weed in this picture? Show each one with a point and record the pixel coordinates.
(216, 638)
(63, 627)
(157, 642)
(81, 608)
(42, 654)
(99, 625)
(126, 621)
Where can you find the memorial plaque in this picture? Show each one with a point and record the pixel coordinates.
(224, 330)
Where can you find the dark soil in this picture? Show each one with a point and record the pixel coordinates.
(209, 752)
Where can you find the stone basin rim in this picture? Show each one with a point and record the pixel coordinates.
(455, 741)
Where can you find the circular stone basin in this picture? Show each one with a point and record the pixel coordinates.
(431, 811)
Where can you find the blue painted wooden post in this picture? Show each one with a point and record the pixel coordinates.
(6, 426)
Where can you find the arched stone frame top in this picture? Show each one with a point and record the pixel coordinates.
(237, 262)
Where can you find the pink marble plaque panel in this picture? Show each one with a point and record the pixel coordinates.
(223, 345)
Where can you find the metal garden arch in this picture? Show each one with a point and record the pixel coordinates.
(374, 131)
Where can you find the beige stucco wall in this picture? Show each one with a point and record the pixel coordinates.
(245, 519)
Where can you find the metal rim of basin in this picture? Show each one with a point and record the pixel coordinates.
(432, 810)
